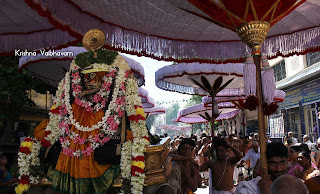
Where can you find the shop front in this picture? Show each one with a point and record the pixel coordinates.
(300, 109)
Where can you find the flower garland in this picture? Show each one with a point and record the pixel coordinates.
(100, 98)
(125, 98)
(109, 123)
(132, 155)
(28, 156)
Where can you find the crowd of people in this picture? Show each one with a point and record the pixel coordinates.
(232, 164)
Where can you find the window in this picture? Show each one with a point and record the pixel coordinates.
(313, 58)
(279, 71)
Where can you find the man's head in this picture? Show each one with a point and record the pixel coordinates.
(186, 147)
(246, 139)
(204, 140)
(306, 138)
(255, 146)
(277, 155)
(256, 136)
(284, 184)
(289, 142)
(290, 134)
(221, 148)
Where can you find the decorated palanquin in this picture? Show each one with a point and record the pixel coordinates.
(96, 129)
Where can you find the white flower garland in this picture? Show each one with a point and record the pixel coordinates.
(27, 157)
(137, 147)
(58, 126)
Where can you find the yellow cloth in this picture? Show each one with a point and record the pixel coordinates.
(39, 131)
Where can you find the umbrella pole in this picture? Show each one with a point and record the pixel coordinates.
(262, 130)
(254, 33)
(244, 122)
(191, 128)
(212, 117)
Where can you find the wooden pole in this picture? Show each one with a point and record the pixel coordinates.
(262, 130)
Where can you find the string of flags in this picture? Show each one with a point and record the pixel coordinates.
(170, 101)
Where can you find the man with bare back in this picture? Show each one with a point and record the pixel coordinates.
(222, 168)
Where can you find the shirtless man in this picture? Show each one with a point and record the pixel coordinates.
(222, 168)
(190, 176)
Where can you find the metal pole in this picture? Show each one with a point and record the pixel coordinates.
(262, 130)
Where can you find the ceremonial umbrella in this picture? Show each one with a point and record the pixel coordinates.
(149, 103)
(50, 68)
(22, 29)
(154, 111)
(192, 114)
(195, 30)
(238, 101)
(185, 78)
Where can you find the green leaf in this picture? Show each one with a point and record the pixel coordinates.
(225, 85)
(206, 83)
(217, 83)
(103, 56)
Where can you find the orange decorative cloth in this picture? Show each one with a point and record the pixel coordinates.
(81, 174)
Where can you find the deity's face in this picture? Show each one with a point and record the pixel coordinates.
(92, 82)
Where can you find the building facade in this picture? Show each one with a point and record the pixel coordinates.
(299, 77)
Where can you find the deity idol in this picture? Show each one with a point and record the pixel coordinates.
(96, 117)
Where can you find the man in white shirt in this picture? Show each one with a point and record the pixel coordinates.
(294, 140)
(253, 154)
(307, 141)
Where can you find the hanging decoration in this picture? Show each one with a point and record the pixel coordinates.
(250, 88)
(268, 87)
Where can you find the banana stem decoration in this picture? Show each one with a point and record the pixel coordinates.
(213, 91)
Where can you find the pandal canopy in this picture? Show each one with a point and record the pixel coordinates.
(51, 68)
(189, 31)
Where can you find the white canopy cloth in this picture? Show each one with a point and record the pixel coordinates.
(146, 100)
(176, 77)
(165, 127)
(51, 69)
(183, 128)
(155, 110)
(278, 97)
(149, 103)
(143, 93)
(178, 30)
(23, 29)
(191, 114)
